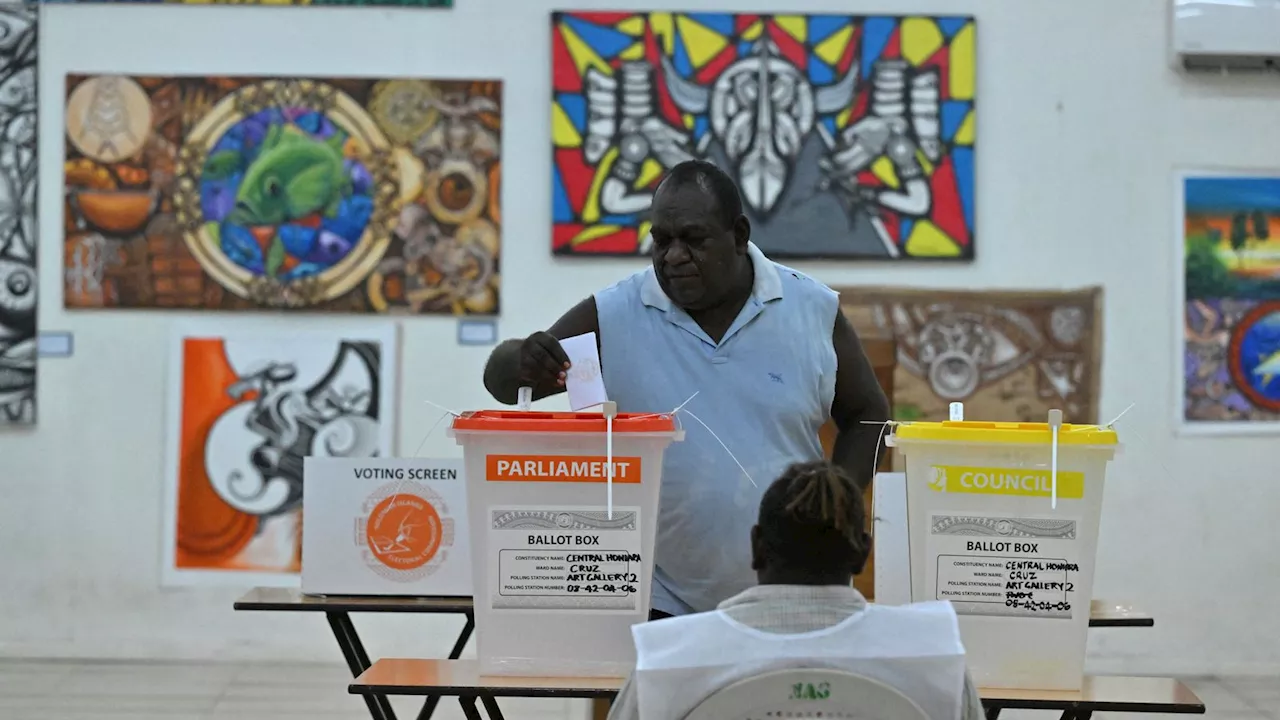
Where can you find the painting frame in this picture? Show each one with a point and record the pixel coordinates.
(1182, 424)
(902, 188)
(385, 333)
(1025, 359)
(341, 195)
(20, 240)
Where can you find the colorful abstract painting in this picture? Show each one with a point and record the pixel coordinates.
(1231, 314)
(850, 136)
(245, 408)
(383, 3)
(236, 193)
(1008, 355)
(18, 238)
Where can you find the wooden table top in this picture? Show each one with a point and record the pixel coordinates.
(292, 600)
(1108, 614)
(1101, 614)
(1104, 693)
(462, 677)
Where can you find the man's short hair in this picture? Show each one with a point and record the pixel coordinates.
(812, 519)
(714, 181)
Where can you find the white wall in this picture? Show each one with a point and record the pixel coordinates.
(1081, 125)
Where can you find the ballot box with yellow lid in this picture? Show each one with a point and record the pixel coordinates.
(1003, 522)
(562, 558)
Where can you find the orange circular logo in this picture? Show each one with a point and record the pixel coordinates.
(403, 532)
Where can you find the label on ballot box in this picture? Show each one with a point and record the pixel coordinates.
(565, 558)
(1006, 566)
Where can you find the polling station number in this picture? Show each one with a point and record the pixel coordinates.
(607, 589)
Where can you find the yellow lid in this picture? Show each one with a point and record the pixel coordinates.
(1004, 432)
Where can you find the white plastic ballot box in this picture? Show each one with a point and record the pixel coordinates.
(558, 581)
(984, 534)
(385, 526)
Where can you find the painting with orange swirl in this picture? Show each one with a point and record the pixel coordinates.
(246, 408)
(303, 194)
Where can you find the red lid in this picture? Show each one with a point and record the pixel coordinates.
(527, 421)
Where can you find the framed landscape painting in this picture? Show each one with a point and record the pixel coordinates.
(1229, 302)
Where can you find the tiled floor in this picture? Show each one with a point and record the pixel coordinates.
(44, 690)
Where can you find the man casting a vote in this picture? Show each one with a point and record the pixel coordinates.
(765, 348)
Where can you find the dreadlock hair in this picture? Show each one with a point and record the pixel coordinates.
(812, 521)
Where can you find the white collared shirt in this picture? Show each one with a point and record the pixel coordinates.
(790, 609)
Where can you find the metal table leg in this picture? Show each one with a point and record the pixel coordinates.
(463, 637)
(491, 707)
(993, 713)
(469, 707)
(344, 631)
(429, 707)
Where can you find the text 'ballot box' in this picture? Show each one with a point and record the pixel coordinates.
(984, 534)
(559, 580)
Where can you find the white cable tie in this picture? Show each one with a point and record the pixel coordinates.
(1122, 414)
(447, 412)
(670, 414)
(1055, 422)
(875, 457)
(610, 409)
(726, 447)
(686, 402)
(438, 406)
(429, 432)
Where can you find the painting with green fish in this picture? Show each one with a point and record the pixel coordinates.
(331, 195)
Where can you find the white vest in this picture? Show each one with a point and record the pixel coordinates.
(914, 649)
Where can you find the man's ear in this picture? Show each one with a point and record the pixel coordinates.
(757, 555)
(741, 233)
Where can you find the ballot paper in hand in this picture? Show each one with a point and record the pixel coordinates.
(585, 382)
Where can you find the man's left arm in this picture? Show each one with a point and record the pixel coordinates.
(860, 407)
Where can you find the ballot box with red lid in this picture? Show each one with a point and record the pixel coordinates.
(562, 558)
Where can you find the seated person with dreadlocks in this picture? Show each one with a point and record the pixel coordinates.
(808, 543)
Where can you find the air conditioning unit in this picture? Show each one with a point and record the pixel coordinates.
(1227, 35)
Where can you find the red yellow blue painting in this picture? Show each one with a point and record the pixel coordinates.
(849, 136)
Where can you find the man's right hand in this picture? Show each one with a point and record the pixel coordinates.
(537, 361)
(542, 361)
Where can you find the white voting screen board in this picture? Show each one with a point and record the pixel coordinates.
(385, 526)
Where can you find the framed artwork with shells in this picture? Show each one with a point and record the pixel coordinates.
(325, 195)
